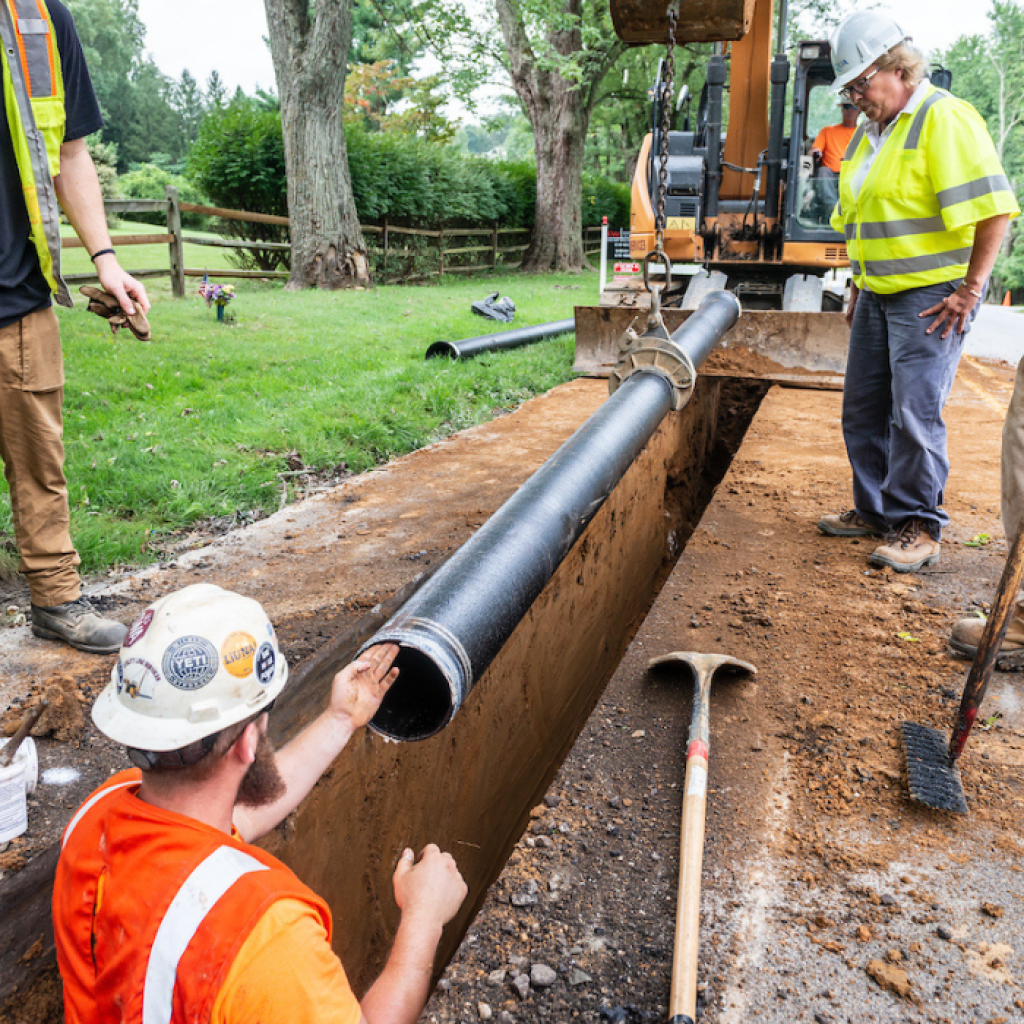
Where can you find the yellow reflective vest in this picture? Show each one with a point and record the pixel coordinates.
(33, 90)
(911, 223)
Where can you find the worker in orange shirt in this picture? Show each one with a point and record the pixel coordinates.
(830, 143)
(827, 153)
(162, 910)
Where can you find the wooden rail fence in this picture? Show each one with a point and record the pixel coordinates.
(387, 234)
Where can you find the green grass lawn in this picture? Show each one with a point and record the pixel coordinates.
(200, 421)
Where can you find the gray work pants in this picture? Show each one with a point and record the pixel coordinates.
(897, 381)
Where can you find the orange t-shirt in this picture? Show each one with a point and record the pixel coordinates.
(286, 971)
(832, 141)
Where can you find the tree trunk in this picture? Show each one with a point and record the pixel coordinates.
(310, 52)
(559, 111)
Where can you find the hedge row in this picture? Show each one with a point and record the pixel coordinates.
(238, 162)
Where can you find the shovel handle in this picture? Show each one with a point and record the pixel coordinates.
(10, 748)
(988, 647)
(682, 1004)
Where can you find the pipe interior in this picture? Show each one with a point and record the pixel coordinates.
(419, 704)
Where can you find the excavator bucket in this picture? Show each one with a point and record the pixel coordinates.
(795, 348)
(700, 21)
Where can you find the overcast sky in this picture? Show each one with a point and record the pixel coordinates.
(228, 35)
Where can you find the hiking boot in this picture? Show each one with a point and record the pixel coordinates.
(848, 524)
(966, 634)
(79, 624)
(907, 548)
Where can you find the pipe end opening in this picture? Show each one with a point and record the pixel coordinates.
(419, 704)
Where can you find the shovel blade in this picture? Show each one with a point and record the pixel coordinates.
(934, 779)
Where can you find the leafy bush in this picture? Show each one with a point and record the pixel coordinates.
(238, 161)
(147, 181)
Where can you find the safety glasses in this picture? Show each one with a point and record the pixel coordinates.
(858, 88)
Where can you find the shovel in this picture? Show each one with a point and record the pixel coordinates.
(931, 765)
(682, 1007)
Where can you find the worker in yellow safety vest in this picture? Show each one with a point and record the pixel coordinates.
(49, 108)
(924, 205)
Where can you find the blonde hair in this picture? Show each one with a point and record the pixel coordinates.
(906, 58)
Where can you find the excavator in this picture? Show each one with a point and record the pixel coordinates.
(751, 208)
(739, 209)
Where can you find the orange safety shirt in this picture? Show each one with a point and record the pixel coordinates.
(162, 919)
(832, 140)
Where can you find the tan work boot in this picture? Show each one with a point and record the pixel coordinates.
(907, 548)
(79, 624)
(966, 634)
(848, 524)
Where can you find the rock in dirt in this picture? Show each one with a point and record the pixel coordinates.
(578, 977)
(484, 1011)
(542, 976)
(992, 910)
(498, 977)
(504, 1017)
(521, 983)
(943, 932)
(891, 977)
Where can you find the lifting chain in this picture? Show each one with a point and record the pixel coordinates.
(667, 88)
(658, 254)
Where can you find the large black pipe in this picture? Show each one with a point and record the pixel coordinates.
(451, 629)
(500, 340)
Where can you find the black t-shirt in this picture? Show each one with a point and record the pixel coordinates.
(23, 289)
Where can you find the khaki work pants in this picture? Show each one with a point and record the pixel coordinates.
(31, 427)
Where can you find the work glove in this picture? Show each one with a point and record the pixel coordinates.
(105, 305)
(504, 309)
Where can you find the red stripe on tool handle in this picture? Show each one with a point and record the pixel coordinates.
(698, 748)
(963, 729)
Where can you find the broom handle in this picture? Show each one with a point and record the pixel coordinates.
(11, 747)
(988, 647)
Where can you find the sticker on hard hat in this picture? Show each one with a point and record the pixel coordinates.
(266, 660)
(138, 677)
(237, 653)
(190, 662)
(139, 627)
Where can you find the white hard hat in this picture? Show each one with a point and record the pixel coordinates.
(859, 41)
(194, 663)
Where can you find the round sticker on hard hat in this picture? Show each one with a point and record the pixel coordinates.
(190, 662)
(266, 661)
(139, 627)
(237, 653)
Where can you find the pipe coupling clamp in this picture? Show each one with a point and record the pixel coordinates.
(654, 351)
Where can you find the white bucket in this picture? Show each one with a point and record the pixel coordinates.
(17, 780)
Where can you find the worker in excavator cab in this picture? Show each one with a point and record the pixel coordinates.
(924, 205)
(162, 909)
(827, 151)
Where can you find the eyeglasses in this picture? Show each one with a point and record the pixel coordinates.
(858, 88)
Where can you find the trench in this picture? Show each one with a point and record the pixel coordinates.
(472, 787)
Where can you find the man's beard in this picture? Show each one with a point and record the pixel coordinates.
(262, 783)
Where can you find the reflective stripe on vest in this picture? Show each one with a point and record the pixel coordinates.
(88, 805)
(34, 102)
(194, 900)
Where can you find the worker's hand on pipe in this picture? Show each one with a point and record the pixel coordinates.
(854, 292)
(430, 890)
(121, 284)
(952, 311)
(359, 688)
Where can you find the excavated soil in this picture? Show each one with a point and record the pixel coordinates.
(827, 894)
